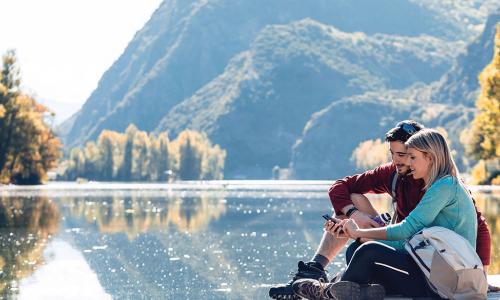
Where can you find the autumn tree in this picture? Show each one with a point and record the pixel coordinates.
(370, 154)
(198, 159)
(482, 138)
(109, 145)
(28, 146)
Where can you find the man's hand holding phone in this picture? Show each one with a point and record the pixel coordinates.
(334, 226)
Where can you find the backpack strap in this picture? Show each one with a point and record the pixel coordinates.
(394, 181)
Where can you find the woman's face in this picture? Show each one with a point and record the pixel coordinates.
(420, 164)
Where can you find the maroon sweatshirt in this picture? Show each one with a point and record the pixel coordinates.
(409, 191)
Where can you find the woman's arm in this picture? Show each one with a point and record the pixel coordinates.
(372, 233)
(348, 227)
(433, 201)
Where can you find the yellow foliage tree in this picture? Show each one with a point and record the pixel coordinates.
(370, 154)
(28, 146)
(197, 158)
(482, 138)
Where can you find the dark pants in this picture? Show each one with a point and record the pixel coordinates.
(374, 262)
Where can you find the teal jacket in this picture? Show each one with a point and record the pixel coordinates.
(447, 204)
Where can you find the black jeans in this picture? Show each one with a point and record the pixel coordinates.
(374, 262)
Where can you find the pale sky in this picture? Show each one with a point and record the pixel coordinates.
(64, 46)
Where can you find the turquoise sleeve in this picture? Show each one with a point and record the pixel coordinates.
(433, 201)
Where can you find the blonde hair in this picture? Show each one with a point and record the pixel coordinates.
(431, 142)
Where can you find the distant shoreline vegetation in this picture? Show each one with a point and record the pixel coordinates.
(138, 156)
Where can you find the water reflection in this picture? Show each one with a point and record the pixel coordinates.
(164, 245)
(26, 224)
(135, 214)
(489, 204)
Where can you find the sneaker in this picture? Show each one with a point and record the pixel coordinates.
(372, 292)
(318, 290)
(311, 270)
(493, 289)
(347, 290)
(340, 290)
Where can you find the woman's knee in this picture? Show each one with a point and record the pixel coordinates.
(350, 251)
(370, 250)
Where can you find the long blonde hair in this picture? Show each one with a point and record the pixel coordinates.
(431, 142)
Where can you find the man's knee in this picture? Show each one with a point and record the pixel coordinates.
(358, 198)
(362, 203)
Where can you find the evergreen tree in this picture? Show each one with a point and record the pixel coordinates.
(189, 158)
(140, 156)
(163, 159)
(158, 160)
(106, 147)
(128, 153)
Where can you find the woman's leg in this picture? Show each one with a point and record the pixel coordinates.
(394, 269)
(350, 251)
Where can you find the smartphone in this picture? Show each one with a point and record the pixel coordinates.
(335, 221)
(328, 218)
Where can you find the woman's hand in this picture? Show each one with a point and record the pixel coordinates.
(350, 228)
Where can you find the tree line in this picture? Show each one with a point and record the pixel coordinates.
(136, 155)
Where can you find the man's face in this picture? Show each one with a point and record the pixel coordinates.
(399, 156)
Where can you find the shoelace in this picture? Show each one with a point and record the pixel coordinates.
(312, 290)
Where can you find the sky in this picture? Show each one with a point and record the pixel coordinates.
(64, 46)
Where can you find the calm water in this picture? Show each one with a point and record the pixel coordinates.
(185, 241)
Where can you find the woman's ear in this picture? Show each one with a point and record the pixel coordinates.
(429, 157)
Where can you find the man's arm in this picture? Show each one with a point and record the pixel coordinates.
(373, 181)
(483, 241)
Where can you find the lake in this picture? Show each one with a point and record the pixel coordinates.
(213, 240)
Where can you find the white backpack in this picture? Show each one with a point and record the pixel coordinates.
(450, 264)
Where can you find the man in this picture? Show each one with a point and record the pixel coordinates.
(392, 178)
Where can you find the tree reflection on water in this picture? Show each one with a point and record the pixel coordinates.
(26, 225)
(135, 214)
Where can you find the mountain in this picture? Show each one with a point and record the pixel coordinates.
(188, 43)
(460, 84)
(456, 92)
(256, 109)
(325, 147)
(448, 103)
(252, 74)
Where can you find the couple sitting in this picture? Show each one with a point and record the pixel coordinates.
(424, 183)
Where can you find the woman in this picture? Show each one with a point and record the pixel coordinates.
(446, 203)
